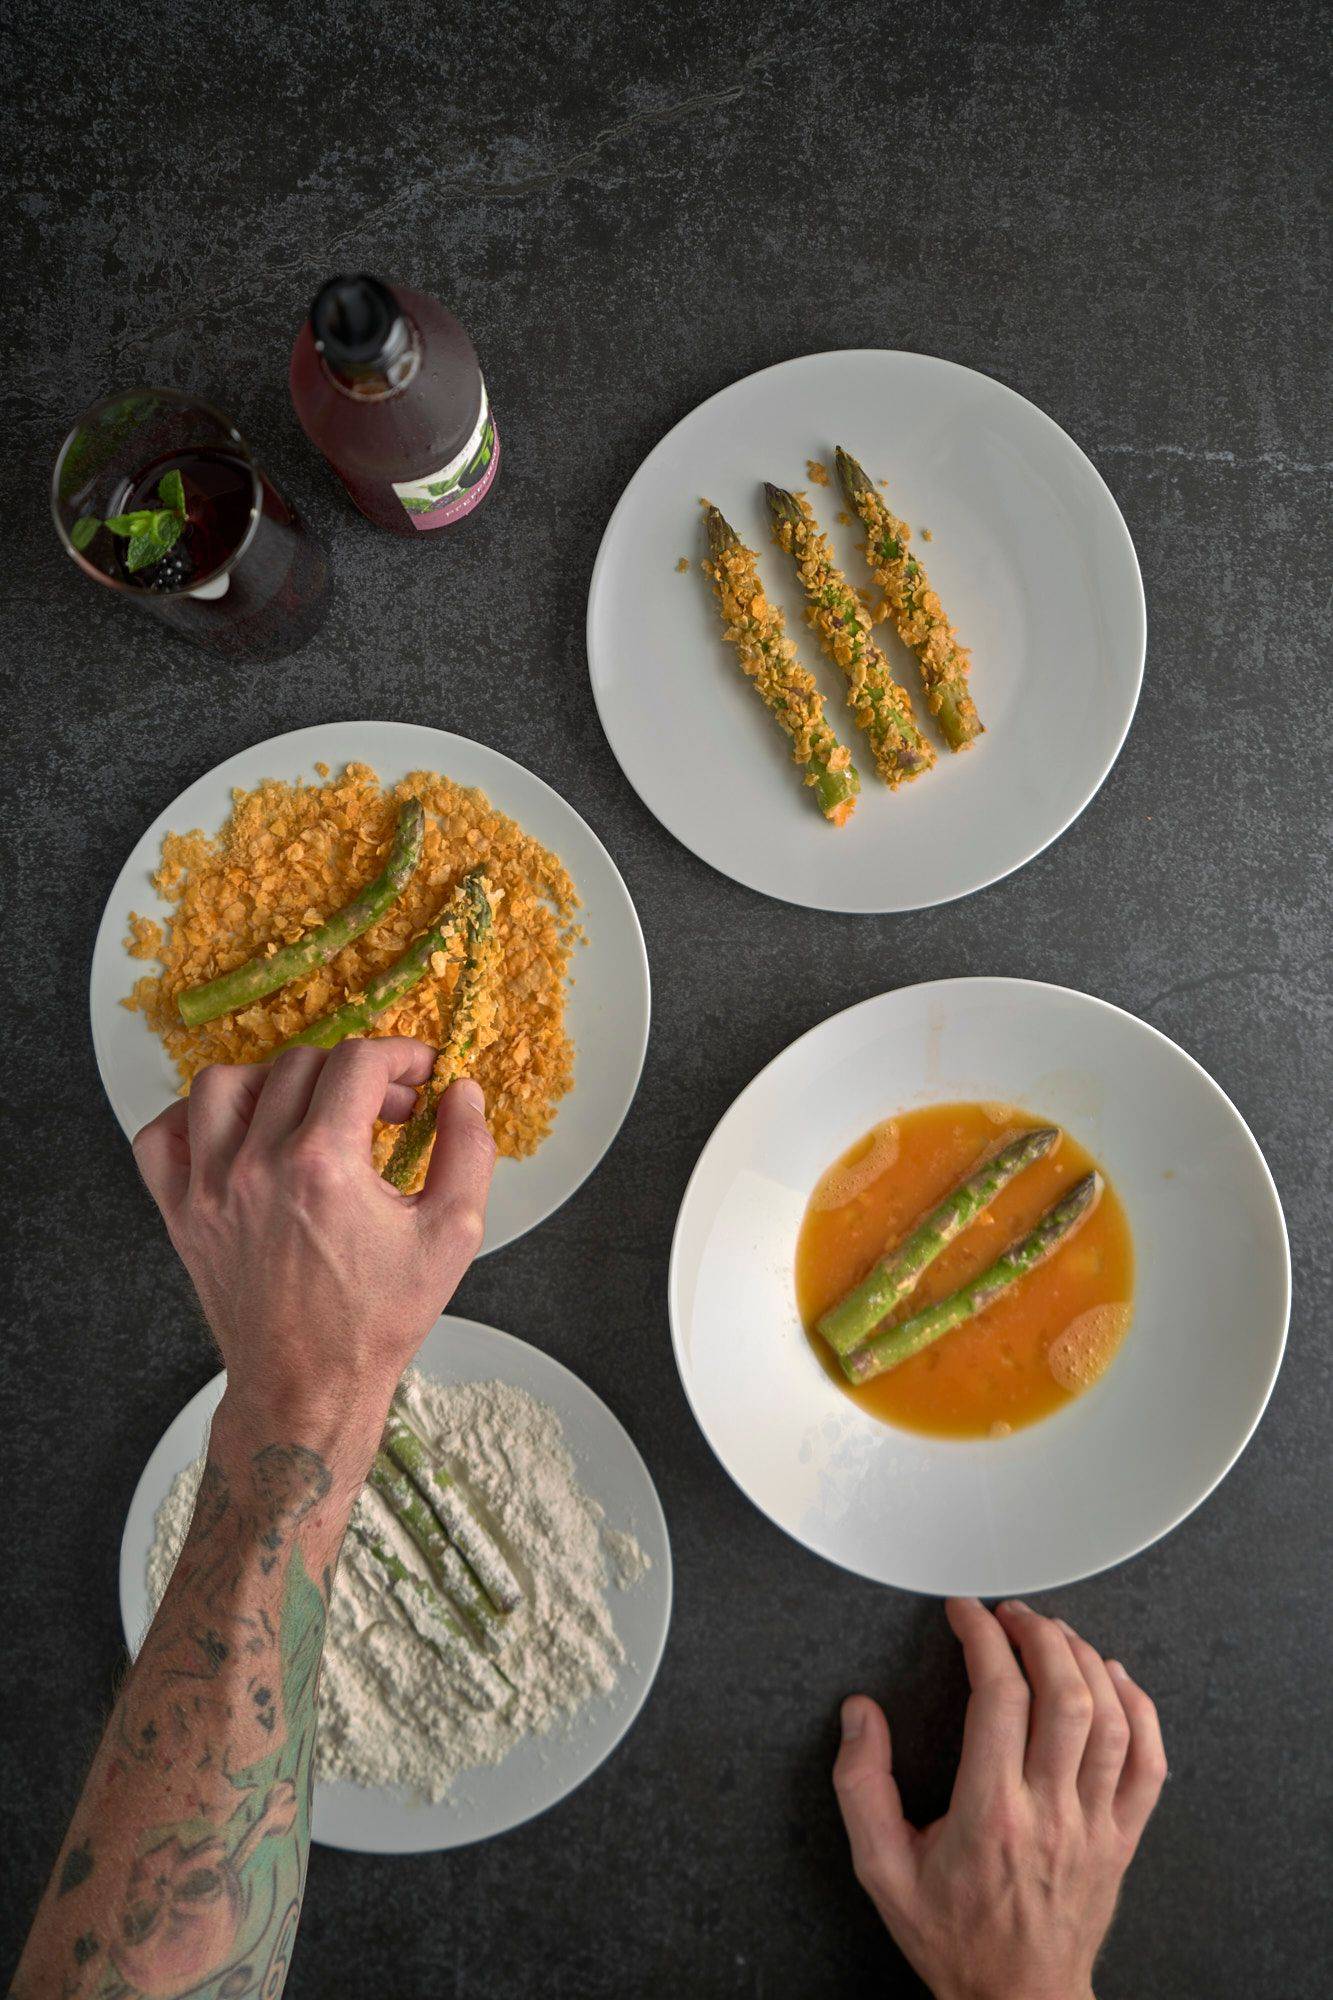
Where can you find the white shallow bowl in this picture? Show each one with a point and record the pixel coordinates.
(608, 1004)
(1115, 1468)
(1033, 563)
(544, 1769)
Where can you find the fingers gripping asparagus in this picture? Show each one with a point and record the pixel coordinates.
(449, 1505)
(900, 1343)
(460, 1586)
(916, 610)
(843, 624)
(389, 986)
(855, 1318)
(472, 997)
(767, 656)
(260, 976)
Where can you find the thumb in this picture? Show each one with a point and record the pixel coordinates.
(458, 1179)
(882, 1840)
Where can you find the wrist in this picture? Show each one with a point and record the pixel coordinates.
(341, 1423)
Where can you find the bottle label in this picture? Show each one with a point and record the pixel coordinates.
(460, 485)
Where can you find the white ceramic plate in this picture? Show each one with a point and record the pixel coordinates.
(543, 1770)
(1032, 561)
(1116, 1467)
(608, 1004)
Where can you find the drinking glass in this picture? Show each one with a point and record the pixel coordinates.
(246, 577)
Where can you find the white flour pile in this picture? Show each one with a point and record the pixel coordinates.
(390, 1711)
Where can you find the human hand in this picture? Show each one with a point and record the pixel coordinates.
(1009, 1896)
(318, 1278)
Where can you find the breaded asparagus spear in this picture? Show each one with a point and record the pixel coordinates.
(899, 1343)
(389, 986)
(843, 624)
(915, 608)
(471, 996)
(757, 630)
(260, 976)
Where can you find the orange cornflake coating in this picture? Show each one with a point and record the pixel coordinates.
(682, 565)
(291, 855)
(843, 624)
(920, 618)
(816, 473)
(757, 629)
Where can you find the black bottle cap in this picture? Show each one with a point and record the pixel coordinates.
(353, 319)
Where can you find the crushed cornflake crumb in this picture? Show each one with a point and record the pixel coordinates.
(682, 565)
(291, 855)
(816, 473)
(323, 770)
(926, 535)
(842, 517)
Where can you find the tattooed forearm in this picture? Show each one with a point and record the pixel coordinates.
(183, 1871)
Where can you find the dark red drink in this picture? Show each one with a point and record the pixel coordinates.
(387, 386)
(156, 494)
(219, 502)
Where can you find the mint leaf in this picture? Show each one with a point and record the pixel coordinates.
(142, 551)
(140, 522)
(83, 531)
(171, 492)
(149, 545)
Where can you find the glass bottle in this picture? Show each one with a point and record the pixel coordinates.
(386, 384)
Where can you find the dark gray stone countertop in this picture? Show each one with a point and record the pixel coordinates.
(1114, 209)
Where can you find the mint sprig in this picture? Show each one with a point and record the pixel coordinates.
(150, 531)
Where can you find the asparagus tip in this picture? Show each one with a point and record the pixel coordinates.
(721, 534)
(852, 476)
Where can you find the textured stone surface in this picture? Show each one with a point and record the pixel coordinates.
(1111, 208)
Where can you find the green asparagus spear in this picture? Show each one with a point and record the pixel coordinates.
(459, 1047)
(460, 1586)
(900, 1343)
(432, 1620)
(757, 630)
(843, 624)
(855, 1318)
(917, 611)
(259, 976)
(389, 986)
(450, 1507)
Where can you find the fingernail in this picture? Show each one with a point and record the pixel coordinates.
(1114, 1667)
(853, 1721)
(1066, 1628)
(1014, 1604)
(471, 1092)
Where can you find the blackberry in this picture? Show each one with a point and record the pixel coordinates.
(170, 572)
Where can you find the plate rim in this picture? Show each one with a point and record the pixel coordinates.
(104, 944)
(205, 1399)
(922, 986)
(1139, 604)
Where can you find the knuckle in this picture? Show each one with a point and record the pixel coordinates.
(872, 1874)
(1114, 1732)
(466, 1224)
(313, 1164)
(1004, 1824)
(1072, 1706)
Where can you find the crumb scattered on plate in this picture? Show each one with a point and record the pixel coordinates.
(926, 535)
(682, 565)
(816, 473)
